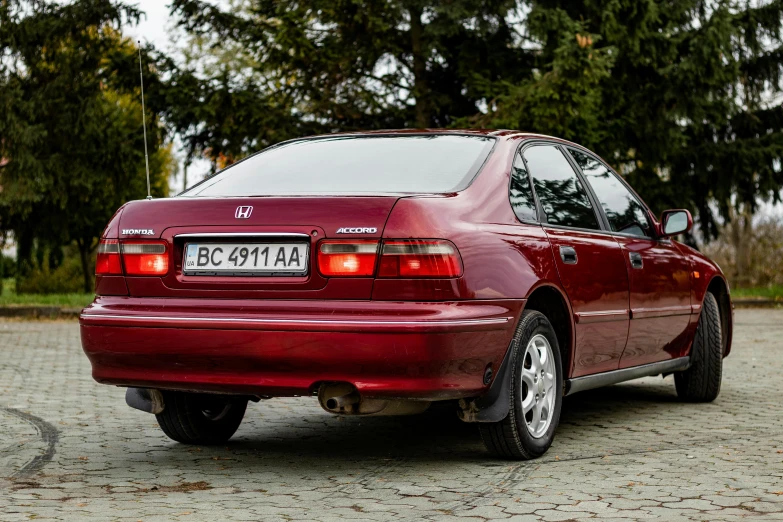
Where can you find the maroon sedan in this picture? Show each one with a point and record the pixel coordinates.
(384, 271)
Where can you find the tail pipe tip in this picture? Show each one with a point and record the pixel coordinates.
(343, 402)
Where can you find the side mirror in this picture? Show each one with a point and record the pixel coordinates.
(675, 222)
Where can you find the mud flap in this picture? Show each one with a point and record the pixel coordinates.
(495, 404)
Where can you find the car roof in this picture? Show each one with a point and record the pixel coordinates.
(508, 134)
(497, 133)
(437, 131)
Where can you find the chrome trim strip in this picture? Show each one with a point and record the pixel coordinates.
(589, 382)
(244, 234)
(455, 322)
(603, 315)
(645, 313)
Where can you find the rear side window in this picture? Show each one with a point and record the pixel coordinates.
(561, 194)
(354, 165)
(521, 194)
(623, 210)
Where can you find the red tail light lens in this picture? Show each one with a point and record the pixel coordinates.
(347, 258)
(108, 261)
(145, 258)
(420, 258)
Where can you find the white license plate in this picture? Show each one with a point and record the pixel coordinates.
(246, 258)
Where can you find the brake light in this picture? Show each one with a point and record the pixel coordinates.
(108, 260)
(347, 258)
(420, 258)
(145, 258)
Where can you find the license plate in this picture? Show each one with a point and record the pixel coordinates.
(246, 258)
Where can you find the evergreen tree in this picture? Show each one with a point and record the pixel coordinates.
(329, 65)
(679, 95)
(70, 125)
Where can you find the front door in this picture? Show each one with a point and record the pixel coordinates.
(659, 274)
(589, 261)
(660, 301)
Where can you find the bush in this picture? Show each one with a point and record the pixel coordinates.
(749, 253)
(64, 279)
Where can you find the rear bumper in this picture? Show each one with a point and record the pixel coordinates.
(385, 349)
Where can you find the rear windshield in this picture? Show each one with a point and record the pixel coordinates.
(354, 165)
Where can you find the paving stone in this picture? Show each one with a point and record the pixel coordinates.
(627, 452)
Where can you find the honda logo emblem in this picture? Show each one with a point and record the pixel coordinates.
(243, 212)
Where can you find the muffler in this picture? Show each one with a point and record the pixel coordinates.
(341, 398)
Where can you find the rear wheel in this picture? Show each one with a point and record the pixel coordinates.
(200, 418)
(536, 393)
(701, 382)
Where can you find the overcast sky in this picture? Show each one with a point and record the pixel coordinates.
(153, 26)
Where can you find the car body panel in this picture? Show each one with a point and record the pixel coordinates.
(262, 347)
(597, 287)
(660, 299)
(707, 274)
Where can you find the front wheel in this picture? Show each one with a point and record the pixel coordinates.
(200, 418)
(701, 382)
(536, 393)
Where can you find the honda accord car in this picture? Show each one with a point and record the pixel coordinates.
(383, 271)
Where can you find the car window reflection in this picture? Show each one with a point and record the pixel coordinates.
(563, 198)
(623, 210)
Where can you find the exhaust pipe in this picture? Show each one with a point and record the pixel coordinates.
(145, 399)
(342, 398)
(342, 402)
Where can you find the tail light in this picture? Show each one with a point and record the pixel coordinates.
(404, 259)
(347, 259)
(420, 258)
(145, 258)
(108, 261)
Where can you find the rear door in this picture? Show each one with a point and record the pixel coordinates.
(659, 273)
(589, 260)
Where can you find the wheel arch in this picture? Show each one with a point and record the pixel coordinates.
(720, 289)
(553, 303)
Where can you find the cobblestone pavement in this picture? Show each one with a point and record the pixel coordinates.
(70, 449)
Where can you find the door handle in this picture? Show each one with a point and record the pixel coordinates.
(568, 255)
(636, 259)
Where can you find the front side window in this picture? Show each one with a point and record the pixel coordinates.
(626, 215)
(521, 194)
(563, 198)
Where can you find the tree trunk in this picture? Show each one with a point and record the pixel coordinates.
(420, 87)
(84, 256)
(24, 253)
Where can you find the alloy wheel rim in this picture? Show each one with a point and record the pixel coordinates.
(538, 386)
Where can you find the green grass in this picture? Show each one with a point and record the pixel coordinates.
(9, 297)
(766, 292)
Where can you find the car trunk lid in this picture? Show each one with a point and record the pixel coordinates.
(265, 221)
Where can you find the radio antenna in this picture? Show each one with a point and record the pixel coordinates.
(144, 121)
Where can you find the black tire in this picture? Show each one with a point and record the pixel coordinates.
(701, 382)
(200, 418)
(510, 437)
